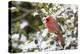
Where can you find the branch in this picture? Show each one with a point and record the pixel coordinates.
(23, 15)
(62, 10)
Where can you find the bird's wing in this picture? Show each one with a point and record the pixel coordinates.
(52, 26)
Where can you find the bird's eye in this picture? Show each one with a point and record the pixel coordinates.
(47, 20)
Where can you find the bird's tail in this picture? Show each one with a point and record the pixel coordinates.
(60, 38)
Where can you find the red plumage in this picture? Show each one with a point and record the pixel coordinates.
(53, 26)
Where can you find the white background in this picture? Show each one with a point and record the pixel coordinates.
(4, 26)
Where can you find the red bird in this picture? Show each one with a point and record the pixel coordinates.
(53, 26)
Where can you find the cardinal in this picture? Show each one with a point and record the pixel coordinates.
(53, 27)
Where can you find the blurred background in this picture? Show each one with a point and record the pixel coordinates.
(27, 32)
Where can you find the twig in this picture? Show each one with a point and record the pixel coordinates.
(23, 15)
